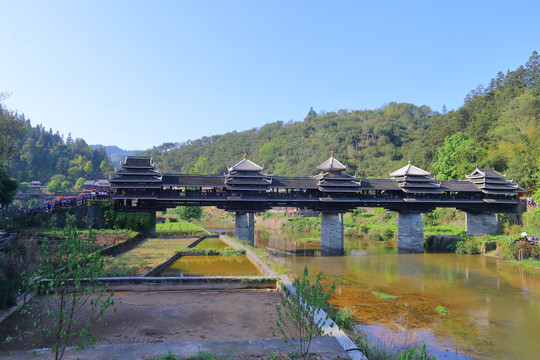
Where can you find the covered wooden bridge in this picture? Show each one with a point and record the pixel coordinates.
(245, 189)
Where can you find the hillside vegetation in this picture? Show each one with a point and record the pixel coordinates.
(29, 153)
(498, 127)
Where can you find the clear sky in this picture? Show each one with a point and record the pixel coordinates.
(140, 73)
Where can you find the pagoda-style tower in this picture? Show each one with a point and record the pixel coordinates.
(493, 183)
(413, 180)
(247, 176)
(331, 178)
(138, 179)
(137, 173)
(489, 182)
(242, 178)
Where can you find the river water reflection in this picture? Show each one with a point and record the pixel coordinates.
(494, 306)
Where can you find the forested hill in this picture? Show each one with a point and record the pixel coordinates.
(39, 154)
(498, 126)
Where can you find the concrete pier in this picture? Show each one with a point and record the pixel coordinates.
(481, 223)
(244, 226)
(332, 233)
(410, 231)
(152, 231)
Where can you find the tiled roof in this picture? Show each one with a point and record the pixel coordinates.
(140, 179)
(409, 170)
(331, 165)
(491, 182)
(245, 165)
(138, 161)
(485, 172)
(194, 180)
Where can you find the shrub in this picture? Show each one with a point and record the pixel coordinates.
(416, 354)
(345, 318)
(299, 308)
(468, 246)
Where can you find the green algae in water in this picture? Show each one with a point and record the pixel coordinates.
(442, 310)
(384, 297)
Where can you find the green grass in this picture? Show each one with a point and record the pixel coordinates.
(228, 251)
(84, 233)
(306, 239)
(442, 310)
(384, 297)
(178, 228)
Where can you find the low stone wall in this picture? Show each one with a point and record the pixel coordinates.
(123, 247)
(143, 283)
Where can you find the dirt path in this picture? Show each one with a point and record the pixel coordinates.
(173, 316)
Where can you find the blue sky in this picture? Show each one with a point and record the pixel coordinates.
(140, 73)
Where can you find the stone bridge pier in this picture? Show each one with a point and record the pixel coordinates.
(410, 231)
(244, 226)
(332, 233)
(481, 223)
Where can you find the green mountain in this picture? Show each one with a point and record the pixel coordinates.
(498, 127)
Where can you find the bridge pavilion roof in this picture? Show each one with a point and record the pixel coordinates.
(490, 181)
(332, 165)
(140, 173)
(412, 179)
(247, 176)
(332, 180)
(137, 172)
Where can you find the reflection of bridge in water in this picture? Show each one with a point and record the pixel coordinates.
(245, 189)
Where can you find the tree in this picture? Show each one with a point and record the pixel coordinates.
(88, 168)
(54, 186)
(268, 151)
(66, 186)
(188, 213)
(201, 167)
(457, 157)
(8, 188)
(23, 186)
(79, 184)
(106, 167)
(12, 127)
(68, 281)
(299, 308)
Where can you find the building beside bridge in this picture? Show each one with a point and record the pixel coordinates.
(246, 189)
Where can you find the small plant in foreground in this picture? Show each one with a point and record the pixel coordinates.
(297, 311)
(68, 278)
(169, 356)
(345, 319)
(416, 354)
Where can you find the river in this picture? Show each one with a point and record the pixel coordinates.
(494, 306)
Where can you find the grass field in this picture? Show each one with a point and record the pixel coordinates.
(145, 257)
(178, 228)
